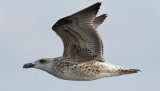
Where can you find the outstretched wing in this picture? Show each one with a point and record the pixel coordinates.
(80, 38)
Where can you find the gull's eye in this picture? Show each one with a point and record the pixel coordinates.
(42, 61)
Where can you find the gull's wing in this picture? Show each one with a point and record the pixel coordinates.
(81, 40)
(99, 20)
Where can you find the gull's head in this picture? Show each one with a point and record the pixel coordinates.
(43, 64)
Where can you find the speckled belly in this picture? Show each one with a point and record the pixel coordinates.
(78, 70)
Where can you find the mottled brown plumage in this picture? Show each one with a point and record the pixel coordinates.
(80, 38)
(82, 58)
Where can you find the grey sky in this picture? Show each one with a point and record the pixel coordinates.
(131, 37)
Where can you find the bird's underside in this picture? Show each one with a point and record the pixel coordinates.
(83, 49)
(86, 71)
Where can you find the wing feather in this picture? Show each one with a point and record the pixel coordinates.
(80, 38)
(99, 20)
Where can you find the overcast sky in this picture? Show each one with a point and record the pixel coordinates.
(130, 33)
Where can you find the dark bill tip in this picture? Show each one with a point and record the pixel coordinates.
(28, 65)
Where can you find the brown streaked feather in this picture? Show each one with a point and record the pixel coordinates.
(81, 40)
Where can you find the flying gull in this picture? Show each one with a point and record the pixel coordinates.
(82, 58)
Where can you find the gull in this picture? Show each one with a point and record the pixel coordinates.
(82, 59)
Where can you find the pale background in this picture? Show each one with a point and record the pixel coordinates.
(131, 37)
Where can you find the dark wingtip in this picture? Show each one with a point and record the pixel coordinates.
(105, 15)
(99, 3)
(96, 5)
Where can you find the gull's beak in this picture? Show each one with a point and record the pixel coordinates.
(28, 65)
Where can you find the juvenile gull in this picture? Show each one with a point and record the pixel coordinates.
(82, 58)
